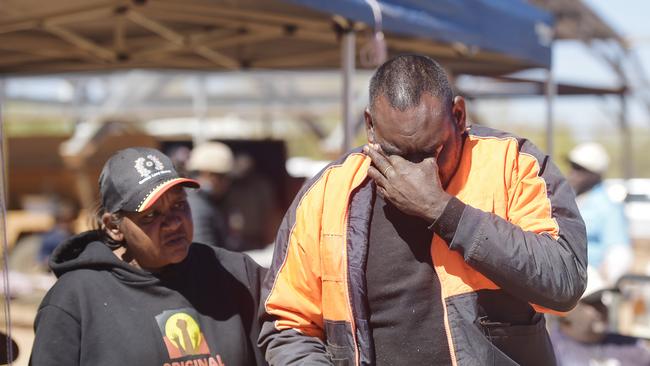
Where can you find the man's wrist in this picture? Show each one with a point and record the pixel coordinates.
(447, 222)
(437, 208)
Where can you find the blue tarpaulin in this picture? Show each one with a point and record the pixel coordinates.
(512, 27)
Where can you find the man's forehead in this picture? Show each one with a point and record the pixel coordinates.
(410, 119)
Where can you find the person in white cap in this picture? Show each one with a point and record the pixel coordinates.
(584, 336)
(609, 250)
(211, 163)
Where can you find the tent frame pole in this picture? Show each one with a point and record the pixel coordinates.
(348, 54)
(626, 140)
(551, 92)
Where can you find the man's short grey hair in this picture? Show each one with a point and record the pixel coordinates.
(403, 80)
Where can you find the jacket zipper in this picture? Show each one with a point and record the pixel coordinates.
(353, 325)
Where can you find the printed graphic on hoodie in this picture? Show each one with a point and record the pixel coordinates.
(183, 337)
(181, 333)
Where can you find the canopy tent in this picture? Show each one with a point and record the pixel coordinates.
(513, 28)
(469, 36)
(574, 20)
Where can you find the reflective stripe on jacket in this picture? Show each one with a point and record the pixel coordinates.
(519, 248)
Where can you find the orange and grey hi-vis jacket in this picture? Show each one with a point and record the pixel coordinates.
(518, 243)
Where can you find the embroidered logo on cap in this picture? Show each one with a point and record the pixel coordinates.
(147, 166)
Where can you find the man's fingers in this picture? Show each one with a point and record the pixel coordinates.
(378, 159)
(378, 177)
(396, 159)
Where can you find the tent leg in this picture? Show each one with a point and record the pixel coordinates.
(551, 91)
(626, 140)
(348, 53)
(199, 107)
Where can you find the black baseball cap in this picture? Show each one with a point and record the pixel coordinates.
(134, 178)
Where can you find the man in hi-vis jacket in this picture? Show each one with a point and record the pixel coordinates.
(435, 244)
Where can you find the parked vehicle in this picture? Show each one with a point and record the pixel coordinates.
(635, 193)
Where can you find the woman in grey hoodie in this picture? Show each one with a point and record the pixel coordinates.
(137, 291)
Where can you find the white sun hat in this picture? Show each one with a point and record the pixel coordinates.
(213, 157)
(591, 156)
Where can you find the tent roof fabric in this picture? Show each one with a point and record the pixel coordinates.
(511, 27)
(575, 20)
(468, 36)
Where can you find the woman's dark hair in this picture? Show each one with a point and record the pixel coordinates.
(98, 225)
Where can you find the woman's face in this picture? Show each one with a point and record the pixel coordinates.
(160, 235)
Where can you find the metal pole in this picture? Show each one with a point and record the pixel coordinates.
(85, 186)
(348, 54)
(199, 106)
(626, 139)
(551, 91)
(3, 227)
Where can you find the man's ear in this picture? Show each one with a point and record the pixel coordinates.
(370, 128)
(459, 113)
(111, 228)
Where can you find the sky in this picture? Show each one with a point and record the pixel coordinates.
(573, 62)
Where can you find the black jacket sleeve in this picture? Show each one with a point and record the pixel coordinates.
(537, 254)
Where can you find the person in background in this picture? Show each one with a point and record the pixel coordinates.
(608, 241)
(179, 155)
(210, 163)
(435, 244)
(252, 206)
(583, 336)
(137, 291)
(65, 214)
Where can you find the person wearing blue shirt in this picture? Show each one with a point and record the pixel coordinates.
(608, 241)
(65, 214)
(583, 337)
